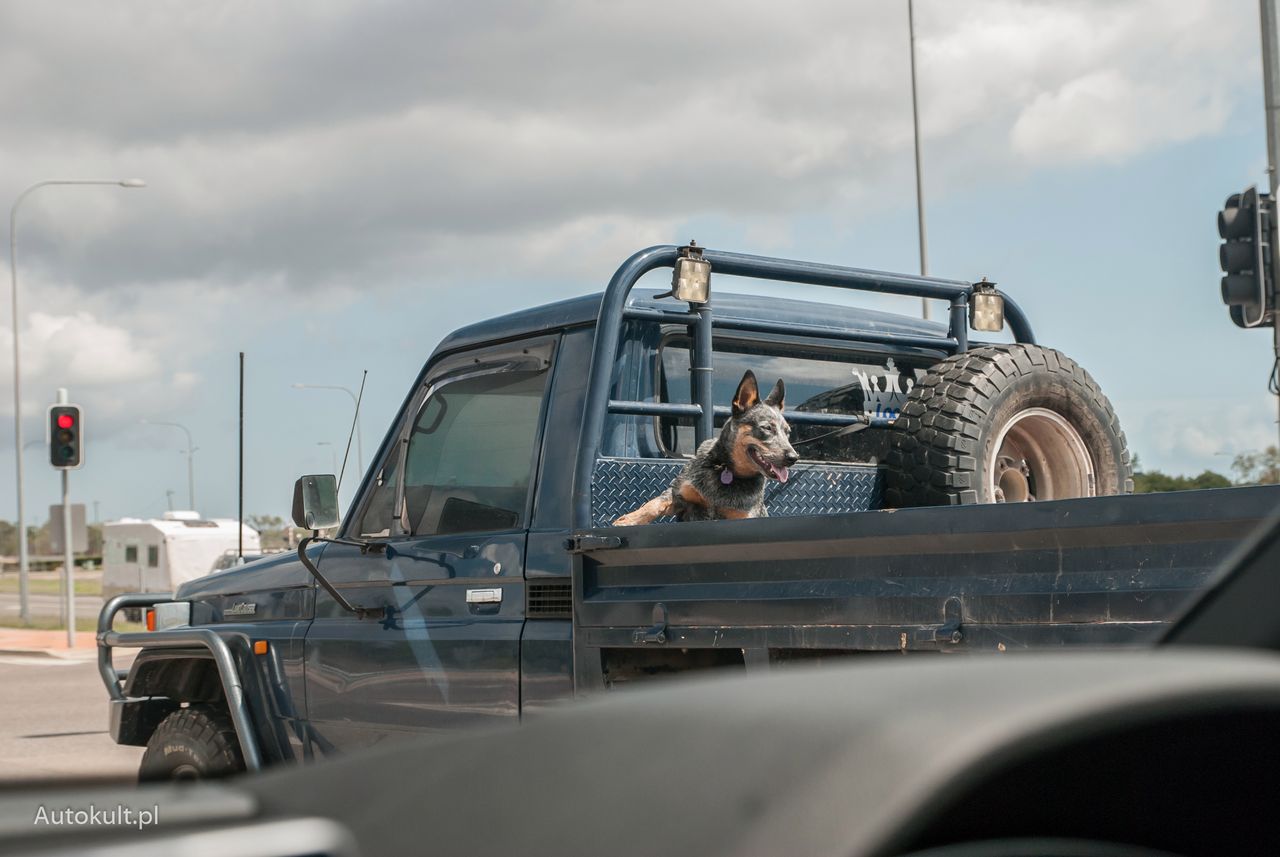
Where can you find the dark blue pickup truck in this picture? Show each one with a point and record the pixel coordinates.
(477, 577)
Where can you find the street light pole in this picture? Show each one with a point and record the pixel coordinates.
(24, 610)
(356, 403)
(191, 452)
(333, 453)
(915, 127)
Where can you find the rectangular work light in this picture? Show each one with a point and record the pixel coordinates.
(691, 276)
(986, 307)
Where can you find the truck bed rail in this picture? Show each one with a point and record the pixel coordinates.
(1099, 571)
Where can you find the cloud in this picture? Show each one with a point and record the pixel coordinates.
(1185, 435)
(276, 148)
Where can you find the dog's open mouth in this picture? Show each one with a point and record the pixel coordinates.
(773, 471)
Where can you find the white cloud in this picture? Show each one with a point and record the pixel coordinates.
(460, 129)
(1186, 435)
(83, 350)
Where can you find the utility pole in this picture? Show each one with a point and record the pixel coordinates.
(1271, 98)
(915, 127)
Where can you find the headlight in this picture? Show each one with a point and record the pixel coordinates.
(169, 614)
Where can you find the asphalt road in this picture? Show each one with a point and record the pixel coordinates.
(50, 606)
(53, 722)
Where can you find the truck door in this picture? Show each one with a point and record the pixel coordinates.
(450, 502)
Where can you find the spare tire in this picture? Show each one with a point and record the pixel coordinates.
(1005, 423)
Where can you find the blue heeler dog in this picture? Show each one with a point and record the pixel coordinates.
(725, 477)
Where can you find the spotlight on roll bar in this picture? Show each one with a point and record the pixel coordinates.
(986, 307)
(691, 276)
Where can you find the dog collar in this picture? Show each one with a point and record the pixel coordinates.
(726, 476)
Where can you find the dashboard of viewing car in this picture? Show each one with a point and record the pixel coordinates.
(1068, 755)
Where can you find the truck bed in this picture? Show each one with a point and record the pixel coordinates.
(1097, 571)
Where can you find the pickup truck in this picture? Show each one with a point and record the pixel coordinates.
(477, 577)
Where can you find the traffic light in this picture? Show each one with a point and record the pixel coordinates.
(1245, 255)
(66, 437)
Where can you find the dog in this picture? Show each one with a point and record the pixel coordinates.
(725, 478)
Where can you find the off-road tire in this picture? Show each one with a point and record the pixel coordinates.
(943, 440)
(197, 742)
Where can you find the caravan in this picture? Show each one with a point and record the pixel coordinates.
(159, 554)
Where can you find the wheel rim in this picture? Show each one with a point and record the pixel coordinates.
(185, 772)
(1039, 456)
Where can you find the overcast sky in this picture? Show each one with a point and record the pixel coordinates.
(333, 186)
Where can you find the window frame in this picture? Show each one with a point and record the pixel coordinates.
(537, 353)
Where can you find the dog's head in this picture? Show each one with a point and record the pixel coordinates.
(757, 432)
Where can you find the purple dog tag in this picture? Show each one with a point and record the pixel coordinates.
(726, 476)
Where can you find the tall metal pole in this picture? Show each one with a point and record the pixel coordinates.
(915, 127)
(68, 547)
(356, 403)
(1271, 98)
(24, 610)
(240, 504)
(191, 452)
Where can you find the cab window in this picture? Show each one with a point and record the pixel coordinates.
(469, 458)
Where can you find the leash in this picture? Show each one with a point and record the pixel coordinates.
(840, 432)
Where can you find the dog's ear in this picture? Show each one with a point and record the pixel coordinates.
(777, 397)
(748, 395)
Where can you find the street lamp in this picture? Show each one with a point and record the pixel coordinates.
(333, 454)
(191, 451)
(356, 403)
(24, 608)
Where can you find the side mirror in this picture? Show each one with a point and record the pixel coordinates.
(315, 502)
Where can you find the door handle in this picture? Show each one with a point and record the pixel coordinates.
(484, 596)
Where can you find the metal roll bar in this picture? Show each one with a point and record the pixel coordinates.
(613, 310)
(176, 638)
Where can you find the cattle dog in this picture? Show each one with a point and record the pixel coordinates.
(726, 476)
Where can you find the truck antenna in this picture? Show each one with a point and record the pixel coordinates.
(354, 420)
(240, 478)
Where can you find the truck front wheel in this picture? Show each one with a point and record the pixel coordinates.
(194, 743)
(1005, 424)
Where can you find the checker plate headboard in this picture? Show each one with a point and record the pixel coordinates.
(620, 485)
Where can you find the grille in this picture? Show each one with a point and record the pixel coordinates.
(549, 599)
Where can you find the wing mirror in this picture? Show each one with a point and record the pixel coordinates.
(315, 502)
(315, 507)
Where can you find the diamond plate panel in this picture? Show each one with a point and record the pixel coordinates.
(620, 485)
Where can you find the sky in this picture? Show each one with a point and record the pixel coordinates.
(334, 186)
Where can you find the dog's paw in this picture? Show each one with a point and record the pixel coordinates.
(630, 519)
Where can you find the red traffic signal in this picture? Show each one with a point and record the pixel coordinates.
(66, 437)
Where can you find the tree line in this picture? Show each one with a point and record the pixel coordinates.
(1247, 468)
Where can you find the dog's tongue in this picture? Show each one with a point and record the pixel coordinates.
(783, 473)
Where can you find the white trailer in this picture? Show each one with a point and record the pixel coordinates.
(160, 554)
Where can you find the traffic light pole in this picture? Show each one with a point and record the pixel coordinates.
(1271, 97)
(68, 547)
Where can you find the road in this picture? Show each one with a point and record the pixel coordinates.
(53, 722)
(49, 606)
